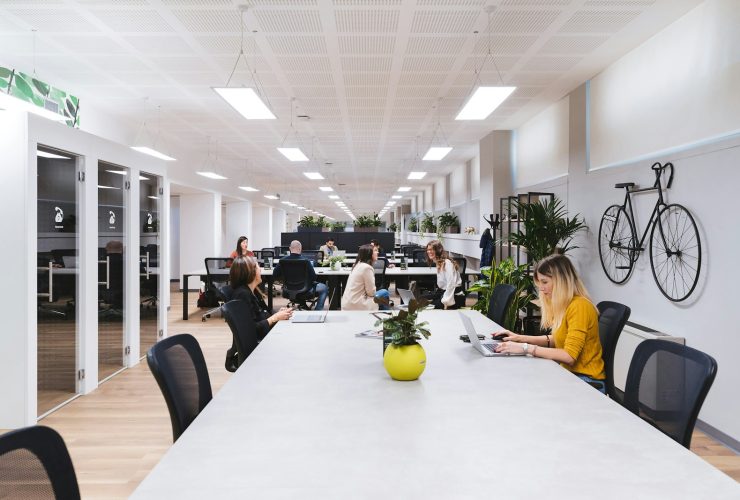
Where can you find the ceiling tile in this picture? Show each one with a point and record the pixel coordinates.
(598, 21)
(289, 21)
(366, 21)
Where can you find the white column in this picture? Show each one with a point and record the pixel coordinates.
(278, 225)
(87, 307)
(238, 223)
(200, 231)
(261, 227)
(496, 179)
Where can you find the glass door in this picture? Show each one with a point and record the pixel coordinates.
(150, 200)
(112, 184)
(56, 274)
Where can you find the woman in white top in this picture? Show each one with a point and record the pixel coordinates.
(359, 293)
(449, 293)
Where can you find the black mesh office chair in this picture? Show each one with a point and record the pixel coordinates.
(297, 283)
(612, 318)
(239, 318)
(462, 266)
(666, 386)
(420, 257)
(500, 301)
(218, 278)
(379, 268)
(314, 256)
(35, 463)
(180, 370)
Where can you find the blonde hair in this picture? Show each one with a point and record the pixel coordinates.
(565, 285)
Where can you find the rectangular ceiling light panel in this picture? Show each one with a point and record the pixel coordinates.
(293, 154)
(435, 153)
(152, 152)
(246, 102)
(415, 176)
(483, 102)
(212, 175)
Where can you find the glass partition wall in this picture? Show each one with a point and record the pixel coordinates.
(57, 277)
(150, 202)
(112, 248)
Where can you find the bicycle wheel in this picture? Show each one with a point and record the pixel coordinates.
(675, 252)
(617, 244)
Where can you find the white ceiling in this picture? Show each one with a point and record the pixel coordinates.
(369, 74)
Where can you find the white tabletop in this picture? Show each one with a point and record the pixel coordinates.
(313, 414)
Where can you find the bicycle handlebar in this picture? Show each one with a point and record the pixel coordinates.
(658, 169)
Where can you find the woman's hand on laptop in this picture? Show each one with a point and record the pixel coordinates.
(510, 348)
(506, 336)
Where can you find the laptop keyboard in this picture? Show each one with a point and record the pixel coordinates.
(490, 347)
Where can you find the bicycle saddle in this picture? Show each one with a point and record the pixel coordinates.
(624, 185)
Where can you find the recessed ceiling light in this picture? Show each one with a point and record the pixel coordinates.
(285, 202)
(107, 187)
(248, 188)
(301, 208)
(212, 175)
(396, 196)
(436, 153)
(293, 154)
(326, 188)
(314, 176)
(153, 152)
(483, 102)
(333, 196)
(271, 197)
(416, 175)
(404, 189)
(246, 102)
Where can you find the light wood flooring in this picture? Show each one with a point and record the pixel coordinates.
(120, 431)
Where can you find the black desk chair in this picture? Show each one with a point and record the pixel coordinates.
(238, 316)
(315, 256)
(180, 370)
(499, 303)
(462, 266)
(280, 251)
(666, 386)
(612, 318)
(217, 278)
(268, 252)
(297, 283)
(224, 295)
(423, 283)
(35, 463)
(379, 268)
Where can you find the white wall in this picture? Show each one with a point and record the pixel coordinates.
(238, 222)
(428, 204)
(459, 185)
(174, 237)
(279, 223)
(200, 234)
(474, 165)
(542, 146)
(679, 87)
(441, 200)
(261, 227)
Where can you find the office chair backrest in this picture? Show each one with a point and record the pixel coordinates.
(296, 278)
(315, 256)
(379, 268)
(217, 270)
(666, 386)
(612, 318)
(420, 257)
(180, 370)
(462, 266)
(239, 318)
(35, 463)
(500, 301)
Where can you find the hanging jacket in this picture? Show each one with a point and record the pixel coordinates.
(487, 246)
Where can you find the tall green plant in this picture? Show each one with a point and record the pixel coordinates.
(545, 228)
(506, 272)
(412, 225)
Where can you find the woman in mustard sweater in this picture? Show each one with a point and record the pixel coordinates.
(573, 319)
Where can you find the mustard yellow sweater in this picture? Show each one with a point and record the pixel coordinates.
(578, 335)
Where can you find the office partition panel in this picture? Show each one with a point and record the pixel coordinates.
(57, 277)
(150, 206)
(113, 181)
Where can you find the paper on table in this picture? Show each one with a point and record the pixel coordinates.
(370, 334)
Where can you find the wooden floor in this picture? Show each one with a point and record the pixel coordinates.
(120, 431)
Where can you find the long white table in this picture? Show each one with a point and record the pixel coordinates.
(313, 414)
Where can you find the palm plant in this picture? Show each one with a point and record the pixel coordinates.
(506, 272)
(545, 228)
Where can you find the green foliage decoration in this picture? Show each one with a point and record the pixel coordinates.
(368, 220)
(506, 272)
(403, 328)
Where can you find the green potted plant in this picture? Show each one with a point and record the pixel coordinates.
(404, 358)
(506, 272)
(310, 224)
(325, 225)
(413, 224)
(338, 226)
(427, 223)
(393, 227)
(545, 228)
(448, 222)
(335, 262)
(367, 223)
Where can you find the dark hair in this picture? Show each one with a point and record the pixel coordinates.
(364, 254)
(330, 239)
(440, 255)
(239, 245)
(375, 243)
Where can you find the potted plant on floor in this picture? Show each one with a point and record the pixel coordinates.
(448, 222)
(404, 359)
(507, 272)
(545, 228)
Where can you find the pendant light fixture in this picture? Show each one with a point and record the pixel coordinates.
(212, 173)
(142, 145)
(292, 153)
(440, 150)
(247, 101)
(485, 99)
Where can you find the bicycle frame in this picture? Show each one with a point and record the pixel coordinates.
(659, 205)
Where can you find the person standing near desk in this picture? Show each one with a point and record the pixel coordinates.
(328, 248)
(574, 320)
(319, 289)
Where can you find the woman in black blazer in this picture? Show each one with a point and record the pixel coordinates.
(244, 278)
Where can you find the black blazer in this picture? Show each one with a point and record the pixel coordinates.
(258, 308)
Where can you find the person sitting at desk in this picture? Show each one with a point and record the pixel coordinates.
(319, 289)
(359, 293)
(244, 278)
(241, 250)
(573, 319)
(449, 293)
(328, 248)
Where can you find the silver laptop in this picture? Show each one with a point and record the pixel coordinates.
(309, 316)
(406, 295)
(486, 348)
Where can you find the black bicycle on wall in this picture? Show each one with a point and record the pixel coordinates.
(675, 248)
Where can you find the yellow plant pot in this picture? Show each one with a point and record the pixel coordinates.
(405, 362)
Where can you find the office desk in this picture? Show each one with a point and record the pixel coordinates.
(326, 272)
(313, 414)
